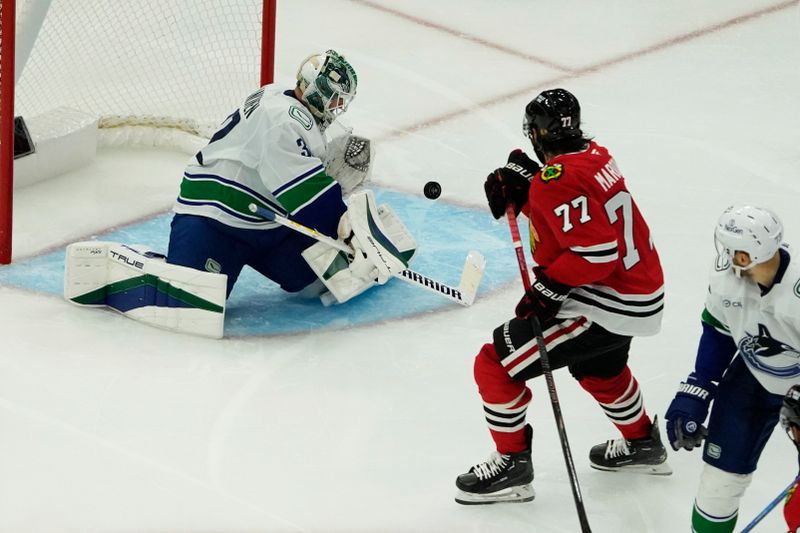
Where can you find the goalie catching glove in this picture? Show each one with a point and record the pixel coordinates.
(349, 161)
(382, 247)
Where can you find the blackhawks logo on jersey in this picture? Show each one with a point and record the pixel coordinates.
(551, 172)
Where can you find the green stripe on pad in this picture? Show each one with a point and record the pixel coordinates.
(384, 241)
(338, 264)
(99, 296)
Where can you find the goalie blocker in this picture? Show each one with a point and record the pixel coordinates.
(142, 286)
(382, 248)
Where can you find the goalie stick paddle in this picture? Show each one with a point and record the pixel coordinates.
(464, 294)
(770, 506)
(548, 374)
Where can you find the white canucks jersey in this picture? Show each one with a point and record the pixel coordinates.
(765, 328)
(269, 152)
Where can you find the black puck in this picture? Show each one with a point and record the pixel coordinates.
(432, 190)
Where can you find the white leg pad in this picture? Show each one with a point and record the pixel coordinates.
(719, 492)
(144, 288)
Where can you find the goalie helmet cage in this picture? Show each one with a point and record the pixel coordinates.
(170, 65)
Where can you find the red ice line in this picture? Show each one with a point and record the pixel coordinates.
(566, 72)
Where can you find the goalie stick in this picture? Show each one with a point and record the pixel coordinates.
(464, 294)
(548, 375)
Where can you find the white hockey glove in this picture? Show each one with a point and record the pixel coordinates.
(349, 161)
(382, 247)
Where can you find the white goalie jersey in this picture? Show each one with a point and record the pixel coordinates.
(765, 328)
(270, 152)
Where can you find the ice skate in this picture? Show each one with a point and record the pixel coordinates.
(643, 456)
(501, 478)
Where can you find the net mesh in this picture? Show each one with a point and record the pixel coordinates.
(181, 64)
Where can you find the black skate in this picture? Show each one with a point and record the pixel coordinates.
(501, 478)
(643, 456)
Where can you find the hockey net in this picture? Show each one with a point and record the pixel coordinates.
(153, 72)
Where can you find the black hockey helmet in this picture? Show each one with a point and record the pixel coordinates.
(555, 115)
(790, 411)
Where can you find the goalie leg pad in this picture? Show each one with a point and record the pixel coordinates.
(142, 286)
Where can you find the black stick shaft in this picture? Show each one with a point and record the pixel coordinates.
(548, 375)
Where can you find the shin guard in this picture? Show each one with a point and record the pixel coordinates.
(621, 401)
(505, 401)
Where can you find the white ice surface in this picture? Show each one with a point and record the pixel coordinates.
(108, 425)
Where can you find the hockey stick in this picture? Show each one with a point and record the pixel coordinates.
(548, 374)
(769, 507)
(464, 294)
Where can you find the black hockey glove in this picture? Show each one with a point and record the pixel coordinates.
(543, 299)
(510, 183)
(688, 411)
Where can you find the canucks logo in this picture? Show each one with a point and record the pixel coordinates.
(770, 355)
(551, 172)
(301, 116)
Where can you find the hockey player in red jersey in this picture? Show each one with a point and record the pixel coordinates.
(790, 420)
(598, 283)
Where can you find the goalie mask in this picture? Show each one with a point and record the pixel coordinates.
(327, 85)
(746, 228)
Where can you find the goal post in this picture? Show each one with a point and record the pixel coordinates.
(121, 72)
(7, 18)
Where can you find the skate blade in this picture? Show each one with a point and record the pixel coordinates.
(662, 469)
(519, 494)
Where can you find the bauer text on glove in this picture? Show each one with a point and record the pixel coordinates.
(510, 184)
(543, 299)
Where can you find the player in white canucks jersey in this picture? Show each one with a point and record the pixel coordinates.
(272, 152)
(748, 357)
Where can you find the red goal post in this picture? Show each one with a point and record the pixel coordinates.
(176, 66)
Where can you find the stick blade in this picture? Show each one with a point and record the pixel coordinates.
(474, 266)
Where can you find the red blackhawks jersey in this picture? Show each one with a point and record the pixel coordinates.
(791, 509)
(587, 232)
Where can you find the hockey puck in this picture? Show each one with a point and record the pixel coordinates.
(432, 190)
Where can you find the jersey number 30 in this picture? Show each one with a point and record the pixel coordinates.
(618, 206)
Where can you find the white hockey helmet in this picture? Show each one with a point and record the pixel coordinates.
(327, 83)
(746, 228)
